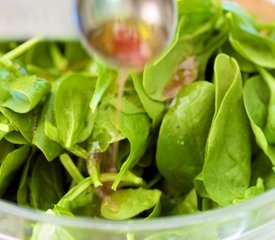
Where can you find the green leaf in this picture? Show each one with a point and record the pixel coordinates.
(74, 120)
(51, 149)
(44, 231)
(50, 232)
(187, 205)
(183, 134)
(249, 43)
(5, 126)
(25, 93)
(252, 192)
(226, 172)
(128, 203)
(16, 138)
(186, 58)
(75, 53)
(105, 78)
(46, 184)
(262, 168)
(198, 16)
(73, 198)
(24, 123)
(10, 165)
(256, 100)
(6, 147)
(40, 56)
(23, 189)
(158, 75)
(155, 109)
(136, 129)
(105, 131)
(244, 64)
(269, 128)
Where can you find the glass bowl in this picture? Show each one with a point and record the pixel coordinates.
(250, 220)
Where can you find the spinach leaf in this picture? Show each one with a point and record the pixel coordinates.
(25, 93)
(46, 183)
(5, 126)
(252, 192)
(226, 171)
(262, 168)
(256, 100)
(105, 131)
(50, 148)
(198, 36)
(73, 117)
(155, 109)
(183, 134)
(248, 42)
(24, 123)
(105, 78)
(16, 137)
(40, 56)
(6, 147)
(10, 165)
(186, 205)
(24, 189)
(244, 64)
(78, 196)
(269, 129)
(76, 54)
(43, 231)
(136, 128)
(50, 232)
(127, 203)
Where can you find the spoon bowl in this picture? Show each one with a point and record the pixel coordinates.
(126, 33)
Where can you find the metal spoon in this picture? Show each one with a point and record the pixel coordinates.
(126, 33)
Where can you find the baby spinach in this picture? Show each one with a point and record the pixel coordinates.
(262, 168)
(25, 93)
(105, 78)
(155, 109)
(256, 100)
(125, 204)
(135, 128)
(73, 117)
(10, 165)
(247, 41)
(183, 134)
(226, 171)
(194, 131)
(270, 125)
(186, 205)
(50, 148)
(47, 181)
(23, 123)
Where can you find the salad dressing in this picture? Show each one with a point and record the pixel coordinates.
(129, 44)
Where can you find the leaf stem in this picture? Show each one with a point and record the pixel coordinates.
(18, 51)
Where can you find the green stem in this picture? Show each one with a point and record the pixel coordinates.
(128, 177)
(71, 168)
(18, 51)
(94, 171)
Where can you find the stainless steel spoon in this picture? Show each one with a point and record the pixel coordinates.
(126, 33)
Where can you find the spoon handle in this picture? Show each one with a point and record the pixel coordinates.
(50, 19)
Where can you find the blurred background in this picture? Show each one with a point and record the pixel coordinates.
(263, 9)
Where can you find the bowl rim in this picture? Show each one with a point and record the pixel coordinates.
(164, 223)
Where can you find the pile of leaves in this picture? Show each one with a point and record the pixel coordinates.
(196, 129)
